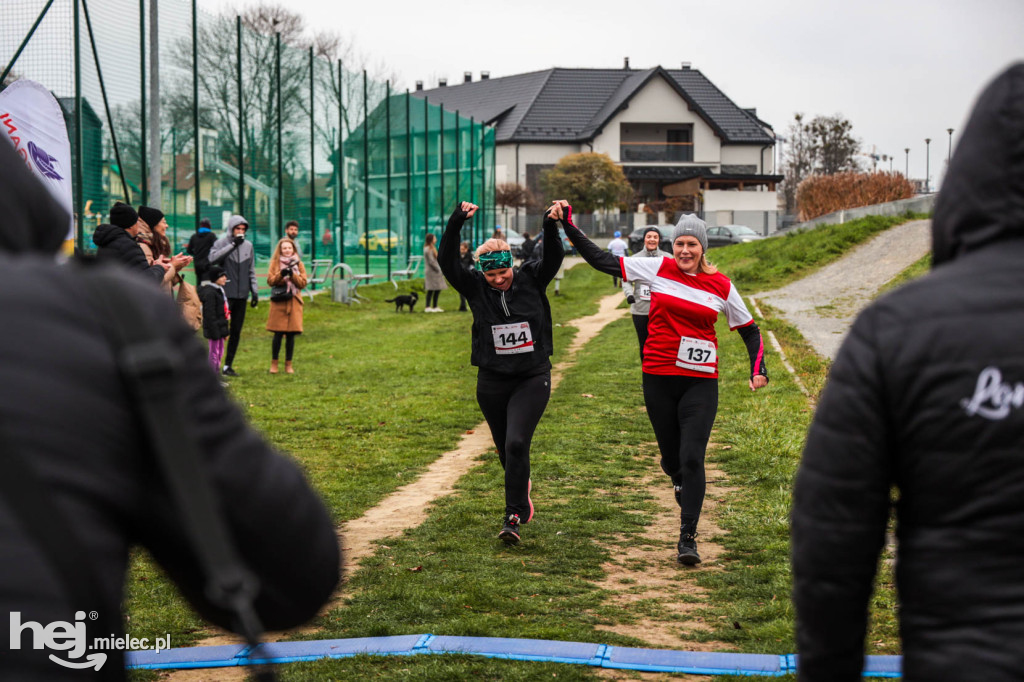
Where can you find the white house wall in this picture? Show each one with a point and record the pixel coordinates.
(749, 155)
(658, 102)
(529, 154)
(734, 200)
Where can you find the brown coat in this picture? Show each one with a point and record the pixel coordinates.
(285, 316)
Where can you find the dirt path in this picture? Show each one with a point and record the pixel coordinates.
(402, 509)
(823, 305)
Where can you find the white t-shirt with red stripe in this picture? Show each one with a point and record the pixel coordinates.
(684, 308)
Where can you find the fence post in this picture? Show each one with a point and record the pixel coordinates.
(79, 203)
(426, 165)
(472, 174)
(276, 227)
(241, 117)
(387, 164)
(408, 174)
(312, 159)
(142, 110)
(341, 160)
(195, 108)
(366, 178)
(440, 156)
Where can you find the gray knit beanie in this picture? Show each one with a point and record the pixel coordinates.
(693, 226)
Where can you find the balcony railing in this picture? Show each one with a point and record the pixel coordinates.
(656, 151)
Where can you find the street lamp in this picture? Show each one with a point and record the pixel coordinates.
(949, 154)
(906, 173)
(927, 162)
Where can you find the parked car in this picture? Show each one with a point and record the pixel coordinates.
(636, 238)
(379, 240)
(724, 235)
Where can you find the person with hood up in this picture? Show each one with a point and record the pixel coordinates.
(926, 395)
(68, 415)
(638, 294)
(115, 243)
(238, 258)
(199, 245)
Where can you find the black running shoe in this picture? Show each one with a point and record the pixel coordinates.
(510, 531)
(687, 548)
(228, 372)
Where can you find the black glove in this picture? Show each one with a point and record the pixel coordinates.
(285, 272)
(255, 300)
(238, 239)
(630, 299)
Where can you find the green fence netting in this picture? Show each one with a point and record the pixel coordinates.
(283, 132)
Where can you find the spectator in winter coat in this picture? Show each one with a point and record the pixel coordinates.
(216, 313)
(199, 245)
(115, 243)
(95, 464)
(638, 294)
(927, 395)
(238, 258)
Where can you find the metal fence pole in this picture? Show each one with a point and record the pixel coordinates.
(440, 156)
(241, 118)
(155, 144)
(312, 158)
(106, 102)
(79, 152)
(142, 110)
(366, 179)
(408, 174)
(458, 161)
(276, 227)
(426, 164)
(197, 178)
(341, 160)
(472, 173)
(387, 137)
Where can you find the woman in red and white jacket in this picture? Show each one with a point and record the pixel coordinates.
(680, 362)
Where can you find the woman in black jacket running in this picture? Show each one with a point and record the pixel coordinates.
(511, 347)
(680, 359)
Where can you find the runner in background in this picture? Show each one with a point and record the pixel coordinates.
(511, 347)
(620, 249)
(638, 295)
(680, 363)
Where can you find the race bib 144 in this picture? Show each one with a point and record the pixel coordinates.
(510, 339)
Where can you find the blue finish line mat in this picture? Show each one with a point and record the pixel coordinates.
(581, 653)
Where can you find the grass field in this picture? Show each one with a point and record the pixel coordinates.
(379, 395)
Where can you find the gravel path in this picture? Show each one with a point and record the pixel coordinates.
(823, 305)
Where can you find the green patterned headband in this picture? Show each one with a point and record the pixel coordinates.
(495, 260)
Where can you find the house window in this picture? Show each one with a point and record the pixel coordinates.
(655, 143)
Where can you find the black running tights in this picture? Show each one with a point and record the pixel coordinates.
(289, 345)
(682, 411)
(435, 293)
(513, 407)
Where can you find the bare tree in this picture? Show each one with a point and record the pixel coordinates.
(835, 148)
(511, 195)
(798, 160)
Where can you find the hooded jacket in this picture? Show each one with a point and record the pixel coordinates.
(199, 245)
(64, 407)
(238, 260)
(641, 292)
(927, 395)
(115, 245)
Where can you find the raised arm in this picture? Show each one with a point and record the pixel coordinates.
(553, 255)
(591, 252)
(448, 253)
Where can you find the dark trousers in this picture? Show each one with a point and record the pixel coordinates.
(289, 345)
(435, 293)
(513, 407)
(682, 411)
(640, 323)
(237, 307)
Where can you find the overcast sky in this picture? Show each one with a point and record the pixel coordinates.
(900, 70)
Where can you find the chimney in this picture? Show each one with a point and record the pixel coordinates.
(485, 75)
(686, 66)
(467, 76)
(442, 82)
(419, 86)
(626, 65)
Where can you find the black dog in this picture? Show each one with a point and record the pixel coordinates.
(403, 300)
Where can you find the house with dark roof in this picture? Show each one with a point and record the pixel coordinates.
(681, 142)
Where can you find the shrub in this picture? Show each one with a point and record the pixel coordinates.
(821, 194)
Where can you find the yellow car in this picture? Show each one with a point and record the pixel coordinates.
(378, 240)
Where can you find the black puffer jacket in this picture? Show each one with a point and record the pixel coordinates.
(927, 395)
(525, 301)
(115, 245)
(64, 407)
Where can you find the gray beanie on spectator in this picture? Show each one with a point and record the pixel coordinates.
(693, 226)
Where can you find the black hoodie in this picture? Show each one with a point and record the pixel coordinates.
(64, 407)
(115, 245)
(927, 395)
